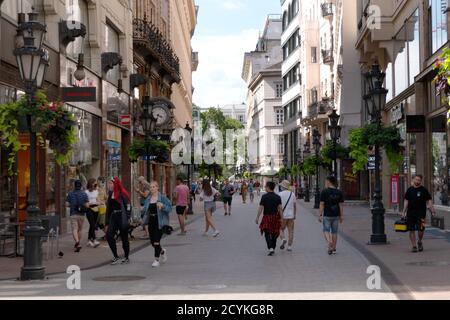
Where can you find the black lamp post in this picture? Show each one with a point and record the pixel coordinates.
(190, 165)
(285, 164)
(306, 151)
(299, 178)
(317, 145)
(32, 61)
(335, 133)
(148, 123)
(375, 101)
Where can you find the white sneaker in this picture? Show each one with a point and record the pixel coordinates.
(155, 264)
(90, 244)
(216, 233)
(289, 248)
(96, 243)
(164, 256)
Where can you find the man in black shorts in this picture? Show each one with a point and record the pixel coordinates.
(416, 200)
(228, 192)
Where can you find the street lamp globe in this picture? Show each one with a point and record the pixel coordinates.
(376, 98)
(148, 120)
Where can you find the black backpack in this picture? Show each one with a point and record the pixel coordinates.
(334, 197)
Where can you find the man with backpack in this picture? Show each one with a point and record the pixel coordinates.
(331, 212)
(78, 202)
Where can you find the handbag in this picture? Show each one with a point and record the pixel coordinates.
(401, 225)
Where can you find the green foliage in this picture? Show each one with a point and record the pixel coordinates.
(139, 148)
(215, 117)
(310, 164)
(295, 171)
(443, 76)
(284, 172)
(327, 152)
(50, 120)
(370, 135)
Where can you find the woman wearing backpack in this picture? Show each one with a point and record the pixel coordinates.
(158, 209)
(118, 213)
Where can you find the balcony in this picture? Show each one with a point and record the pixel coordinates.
(194, 61)
(149, 42)
(327, 10)
(327, 56)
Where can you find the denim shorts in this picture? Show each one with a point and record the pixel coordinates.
(331, 224)
(210, 205)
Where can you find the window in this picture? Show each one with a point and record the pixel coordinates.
(406, 64)
(437, 18)
(292, 44)
(314, 54)
(112, 45)
(314, 95)
(290, 14)
(78, 10)
(13, 7)
(279, 90)
(279, 116)
(280, 144)
(292, 77)
(241, 118)
(292, 109)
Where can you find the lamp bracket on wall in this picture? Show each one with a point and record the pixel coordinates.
(136, 80)
(110, 60)
(69, 30)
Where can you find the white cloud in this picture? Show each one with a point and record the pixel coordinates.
(217, 80)
(232, 4)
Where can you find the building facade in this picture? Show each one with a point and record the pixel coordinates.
(265, 117)
(314, 67)
(92, 43)
(406, 41)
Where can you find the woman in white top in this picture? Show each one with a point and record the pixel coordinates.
(289, 205)
(208, 196)
(92, 214)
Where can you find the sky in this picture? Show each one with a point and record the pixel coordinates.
(226, 29)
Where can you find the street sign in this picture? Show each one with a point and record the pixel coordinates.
(125, 120)
(79, 94)
(371, 163)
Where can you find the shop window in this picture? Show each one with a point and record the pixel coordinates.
(112, 45)
(437, 18)
(78, 10)
(440, 161)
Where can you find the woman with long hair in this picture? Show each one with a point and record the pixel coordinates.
(157, 208)
(207, 195)
(117, 217)
(92, 214)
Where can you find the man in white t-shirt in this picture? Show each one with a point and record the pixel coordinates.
(289, 205)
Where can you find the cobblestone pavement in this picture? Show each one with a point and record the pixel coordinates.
(234, 265)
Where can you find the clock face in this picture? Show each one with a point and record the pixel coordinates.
(161, 115)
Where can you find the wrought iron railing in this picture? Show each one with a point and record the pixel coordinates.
(327, 56)
(148, 33)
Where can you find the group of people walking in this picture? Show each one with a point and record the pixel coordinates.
(116, 204)
(109, 209)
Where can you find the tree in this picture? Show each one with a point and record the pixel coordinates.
(214, 117)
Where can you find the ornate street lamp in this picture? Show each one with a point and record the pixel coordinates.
(375, 101)
(335, 133)
(148, 124)
(285, 164)
(190, 165)
(306, 151)
(317, 145)
(32, 61)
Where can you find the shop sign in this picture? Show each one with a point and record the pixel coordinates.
(113, 133)
(415, 124)
(397, 113)
(394, 189)
(79, 94)
(125, 120)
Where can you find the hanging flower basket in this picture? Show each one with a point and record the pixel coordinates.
(50, 120)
